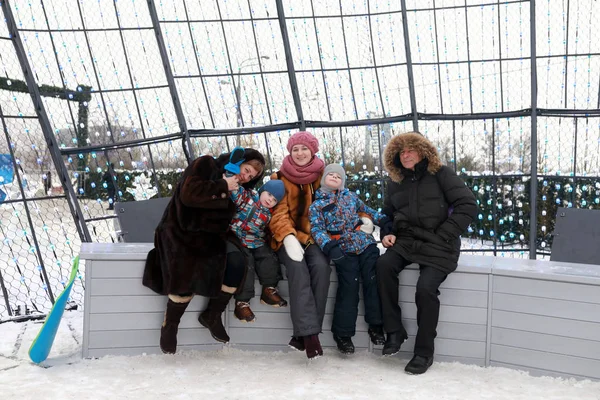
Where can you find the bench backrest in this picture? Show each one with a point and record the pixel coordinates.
(139, 219)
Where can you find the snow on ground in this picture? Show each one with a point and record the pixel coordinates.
(236, 374)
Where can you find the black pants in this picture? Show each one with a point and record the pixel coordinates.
(349, 269)
(235, 267)
(265, 263)
(389, 265)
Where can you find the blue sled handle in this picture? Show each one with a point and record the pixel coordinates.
(42, 344)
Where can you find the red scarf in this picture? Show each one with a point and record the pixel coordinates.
(302, 175)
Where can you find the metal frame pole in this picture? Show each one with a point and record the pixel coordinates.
(40, 109)
(170, 79)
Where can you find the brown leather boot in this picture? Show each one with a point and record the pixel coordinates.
(211, 317)
(168, 331)
(243, 312)
(271, 297)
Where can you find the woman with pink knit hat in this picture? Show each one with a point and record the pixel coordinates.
(308, 269)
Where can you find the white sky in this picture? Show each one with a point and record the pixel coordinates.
(320, 38)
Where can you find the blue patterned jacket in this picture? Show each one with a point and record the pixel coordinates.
(335, 216)
(250, 219)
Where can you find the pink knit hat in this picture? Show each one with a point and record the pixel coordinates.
(305, 138)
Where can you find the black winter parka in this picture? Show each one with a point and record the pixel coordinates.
(430, 207)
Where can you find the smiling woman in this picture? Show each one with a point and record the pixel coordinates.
(194, 249)
(307, 267)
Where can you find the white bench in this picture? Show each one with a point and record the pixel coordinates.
(535, 315)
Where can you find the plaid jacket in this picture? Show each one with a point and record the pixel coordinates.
(250, 219)
(335, 216)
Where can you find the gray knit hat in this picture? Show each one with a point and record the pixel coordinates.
(338, 169)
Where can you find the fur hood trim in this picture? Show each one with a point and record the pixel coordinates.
(411, 140)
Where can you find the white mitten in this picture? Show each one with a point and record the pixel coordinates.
(367, 225)
(293, 248)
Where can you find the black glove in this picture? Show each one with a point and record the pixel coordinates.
(386, 226)
(333, 251)
(236, 158)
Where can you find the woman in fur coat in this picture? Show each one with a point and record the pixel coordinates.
(192, 243)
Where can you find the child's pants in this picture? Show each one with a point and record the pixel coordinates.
(349, 269)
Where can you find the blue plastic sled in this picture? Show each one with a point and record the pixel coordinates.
(40, 348)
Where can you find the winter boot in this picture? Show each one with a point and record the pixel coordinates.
(312, 346)
(376, 335)
(344, 344)
(168, 331)
(297, 343)
(418, 365)
(243, 312)
(393, 342)
(271, 297)
(211, 317)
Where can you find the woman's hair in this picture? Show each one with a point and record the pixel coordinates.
(257, 165)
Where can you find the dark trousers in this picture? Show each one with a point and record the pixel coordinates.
(308, 281)
(263, 262)
(345, 312)
(389, 265)
(235, 268)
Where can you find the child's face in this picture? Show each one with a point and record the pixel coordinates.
(333, 180)
(267, 199)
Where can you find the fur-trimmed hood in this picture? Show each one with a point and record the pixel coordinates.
(412, 140)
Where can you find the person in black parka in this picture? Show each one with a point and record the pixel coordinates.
(194, 251)
(430, 207)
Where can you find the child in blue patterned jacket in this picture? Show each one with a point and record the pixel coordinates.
(253, 213)
(346, 239)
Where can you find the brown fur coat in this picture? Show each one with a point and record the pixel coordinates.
(189, 243)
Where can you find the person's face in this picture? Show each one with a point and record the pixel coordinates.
(409, 158)
(333, 180)
(247, 173)
(301, 155)
(267, 199)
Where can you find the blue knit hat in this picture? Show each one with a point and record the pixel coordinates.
(275, 187)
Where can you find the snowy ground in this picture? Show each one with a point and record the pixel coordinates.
(235, 374)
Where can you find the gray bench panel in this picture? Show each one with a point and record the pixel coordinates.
(535, 371)
(547, 289)
(451, 330)
(127, 304)
(542, 360)
(145, 337)
(452, 347)
(282, 336)
(466, 315)
(535, 315)
(547, 343)
(451, 297)
(546, 325)
(118, 269)
(572, 310)
(456, 280)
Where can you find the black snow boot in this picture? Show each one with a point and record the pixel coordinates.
(211, 317)
(168, 331)
(393, 342)
(376, 335)
(344, 344)
(418, 365)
